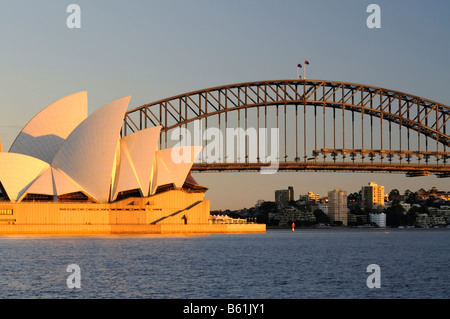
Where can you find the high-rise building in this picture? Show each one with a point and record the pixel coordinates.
(282, 197)
(291, 193)
(337, 206)
(372, 197)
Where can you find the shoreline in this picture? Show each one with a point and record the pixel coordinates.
(351, 227)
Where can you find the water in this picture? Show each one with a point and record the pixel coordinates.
(279, 264)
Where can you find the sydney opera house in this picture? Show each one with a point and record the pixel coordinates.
(70, 173)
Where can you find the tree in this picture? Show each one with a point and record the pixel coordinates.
(357, 210)
(423, 193)
(321, 217)
(354, 197)
(394, 195)
(412, 198)
(269, 207)
(234, 214)
(430, 200)
(262, 215)
(395, 215)
(411, 216)
(414, 212)
(337, 223)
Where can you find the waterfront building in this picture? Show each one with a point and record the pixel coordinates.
(378, 219)
(290, 214)
(337, 206)
(422, 220)
(437, 217)
(372, 197)
(357, 219)
(427, 221)
(67, 172)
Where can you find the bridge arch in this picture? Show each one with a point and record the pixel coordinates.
(317, 120)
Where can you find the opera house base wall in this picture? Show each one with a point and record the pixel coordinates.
(171, 212)
(129, 229)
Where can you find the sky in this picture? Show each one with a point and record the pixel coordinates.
(156, 49)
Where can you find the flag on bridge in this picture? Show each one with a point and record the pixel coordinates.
(299, 65)
(306, 61)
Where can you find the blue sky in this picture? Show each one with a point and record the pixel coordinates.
(156, 49)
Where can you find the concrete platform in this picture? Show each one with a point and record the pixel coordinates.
(130, 229)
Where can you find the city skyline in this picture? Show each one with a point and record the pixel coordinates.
(307, 196)
(115, 53)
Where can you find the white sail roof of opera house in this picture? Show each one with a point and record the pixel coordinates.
(135, 169)
(17, 172)
(53, 182)
(86, 154)
(45, 133)
(174, 164)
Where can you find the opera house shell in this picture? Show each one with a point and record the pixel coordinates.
(67, 172)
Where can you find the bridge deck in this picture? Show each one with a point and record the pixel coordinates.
(410, 169)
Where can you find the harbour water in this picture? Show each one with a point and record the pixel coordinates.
(278, 264)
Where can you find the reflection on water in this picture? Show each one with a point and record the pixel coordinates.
(278, 264)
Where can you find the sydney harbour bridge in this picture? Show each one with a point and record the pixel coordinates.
(319, 126)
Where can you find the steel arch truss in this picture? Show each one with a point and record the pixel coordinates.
(323, 125)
